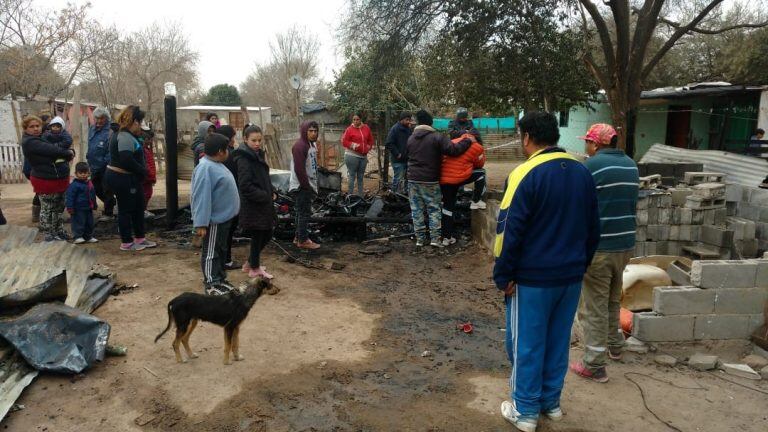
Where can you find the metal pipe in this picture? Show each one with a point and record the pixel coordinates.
(171, 157)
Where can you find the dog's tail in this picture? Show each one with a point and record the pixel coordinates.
(166, 327)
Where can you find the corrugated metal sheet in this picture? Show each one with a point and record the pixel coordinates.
(743, 170)
(21, 268)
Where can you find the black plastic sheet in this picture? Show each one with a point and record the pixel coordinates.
(54, 288)
(54, 337)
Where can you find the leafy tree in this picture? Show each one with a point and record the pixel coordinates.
(223, 94)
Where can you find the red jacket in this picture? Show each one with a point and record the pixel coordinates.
(361, 136)
(149, 159)
(457, 169)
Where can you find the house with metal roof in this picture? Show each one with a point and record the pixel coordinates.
(706, 116)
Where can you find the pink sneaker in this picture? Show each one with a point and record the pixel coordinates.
(247, 267)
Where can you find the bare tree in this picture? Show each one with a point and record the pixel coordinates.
(625, 37)
(134, 69)
(32, 41)
(294, 52)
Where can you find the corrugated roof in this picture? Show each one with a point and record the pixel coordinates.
(743, 170)
(20, 269)
(220, 108)
(701, 89)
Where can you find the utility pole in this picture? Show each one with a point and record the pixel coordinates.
(171, 156)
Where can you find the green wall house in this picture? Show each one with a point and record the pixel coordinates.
(708, 116)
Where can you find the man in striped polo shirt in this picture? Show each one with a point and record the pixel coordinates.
(617, 181)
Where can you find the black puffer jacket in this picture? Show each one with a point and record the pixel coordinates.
(257, 210)
(43, 157)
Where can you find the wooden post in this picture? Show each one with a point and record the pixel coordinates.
(16, 122)
(76, 128)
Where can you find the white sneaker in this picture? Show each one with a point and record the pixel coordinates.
(437, 244)
(419, 243)
(555, 414)
(480, 205)
(93, 240)
(79, 240)
(523, 423)
(449, 241)
(148, 214)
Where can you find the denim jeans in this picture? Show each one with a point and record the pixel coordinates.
(399, 182)
(355, 170)
(425, 197)
(303, 210)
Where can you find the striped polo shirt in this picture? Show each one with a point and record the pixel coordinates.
(617, 181)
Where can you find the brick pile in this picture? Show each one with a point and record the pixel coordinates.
(722, 299)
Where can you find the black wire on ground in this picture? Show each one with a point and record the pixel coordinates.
(716, 374)
(645, 402)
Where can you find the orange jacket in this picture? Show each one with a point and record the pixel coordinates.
(361, 136)
(457, 169)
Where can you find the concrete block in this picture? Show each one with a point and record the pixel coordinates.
(709, 190)
(682, 168)
(724, 274)
(678, 196)
(697, 202)
(652, 181)
(674, 247)
(758, 197)
(658, 232)
(641, 233)
(665, 200)
(742, 228)
(662, 247)
(642, 203)
(665, 216)
(694, 178)
(702, 362)
(683, 300)
(642, 217)
(689, 232)
(633, 344)
(674, 232)
(679, 273)
(761, 277)
(764, 373)
(721, 215)
(653, 215)
(650, 248)
(650, 327)
(747, 248)
(739, 300)
(722, 327)
(749, 211)
(697, 217)
(662, 169)
(741, 370)
(763, 214)
(716, 236)
(640, 249)
(733, 192)
(755, 361)
(731, 208)
(686, 216)
(756, 321)
(761, 230)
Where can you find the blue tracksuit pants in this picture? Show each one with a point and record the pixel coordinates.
(538, 338)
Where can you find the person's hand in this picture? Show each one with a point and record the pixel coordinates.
(511, 289)
(274, 196)
(201, 231)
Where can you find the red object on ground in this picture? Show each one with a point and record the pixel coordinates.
(625, 319)
(466, 327)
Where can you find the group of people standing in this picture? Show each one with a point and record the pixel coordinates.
(565, 233)
(120, 170)
(231, 188)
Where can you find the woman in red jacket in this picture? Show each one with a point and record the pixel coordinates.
(456, 172)
(358, 141)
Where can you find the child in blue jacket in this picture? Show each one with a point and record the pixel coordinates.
(81, 202)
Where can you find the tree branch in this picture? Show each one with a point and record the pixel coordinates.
(680, 32)
(677, 25)
(602, 30)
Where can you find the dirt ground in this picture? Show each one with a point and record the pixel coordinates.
(373, 347)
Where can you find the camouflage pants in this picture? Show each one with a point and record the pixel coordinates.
(51, 209)
(425, 197)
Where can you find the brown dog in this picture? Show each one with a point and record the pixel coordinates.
(228, 311)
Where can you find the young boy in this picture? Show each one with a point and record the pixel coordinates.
(80, 203)
(215, 202)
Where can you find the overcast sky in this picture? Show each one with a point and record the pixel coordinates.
(230, 35)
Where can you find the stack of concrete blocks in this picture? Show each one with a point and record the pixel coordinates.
(751, 203)
(723, 300)
(687, 217)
